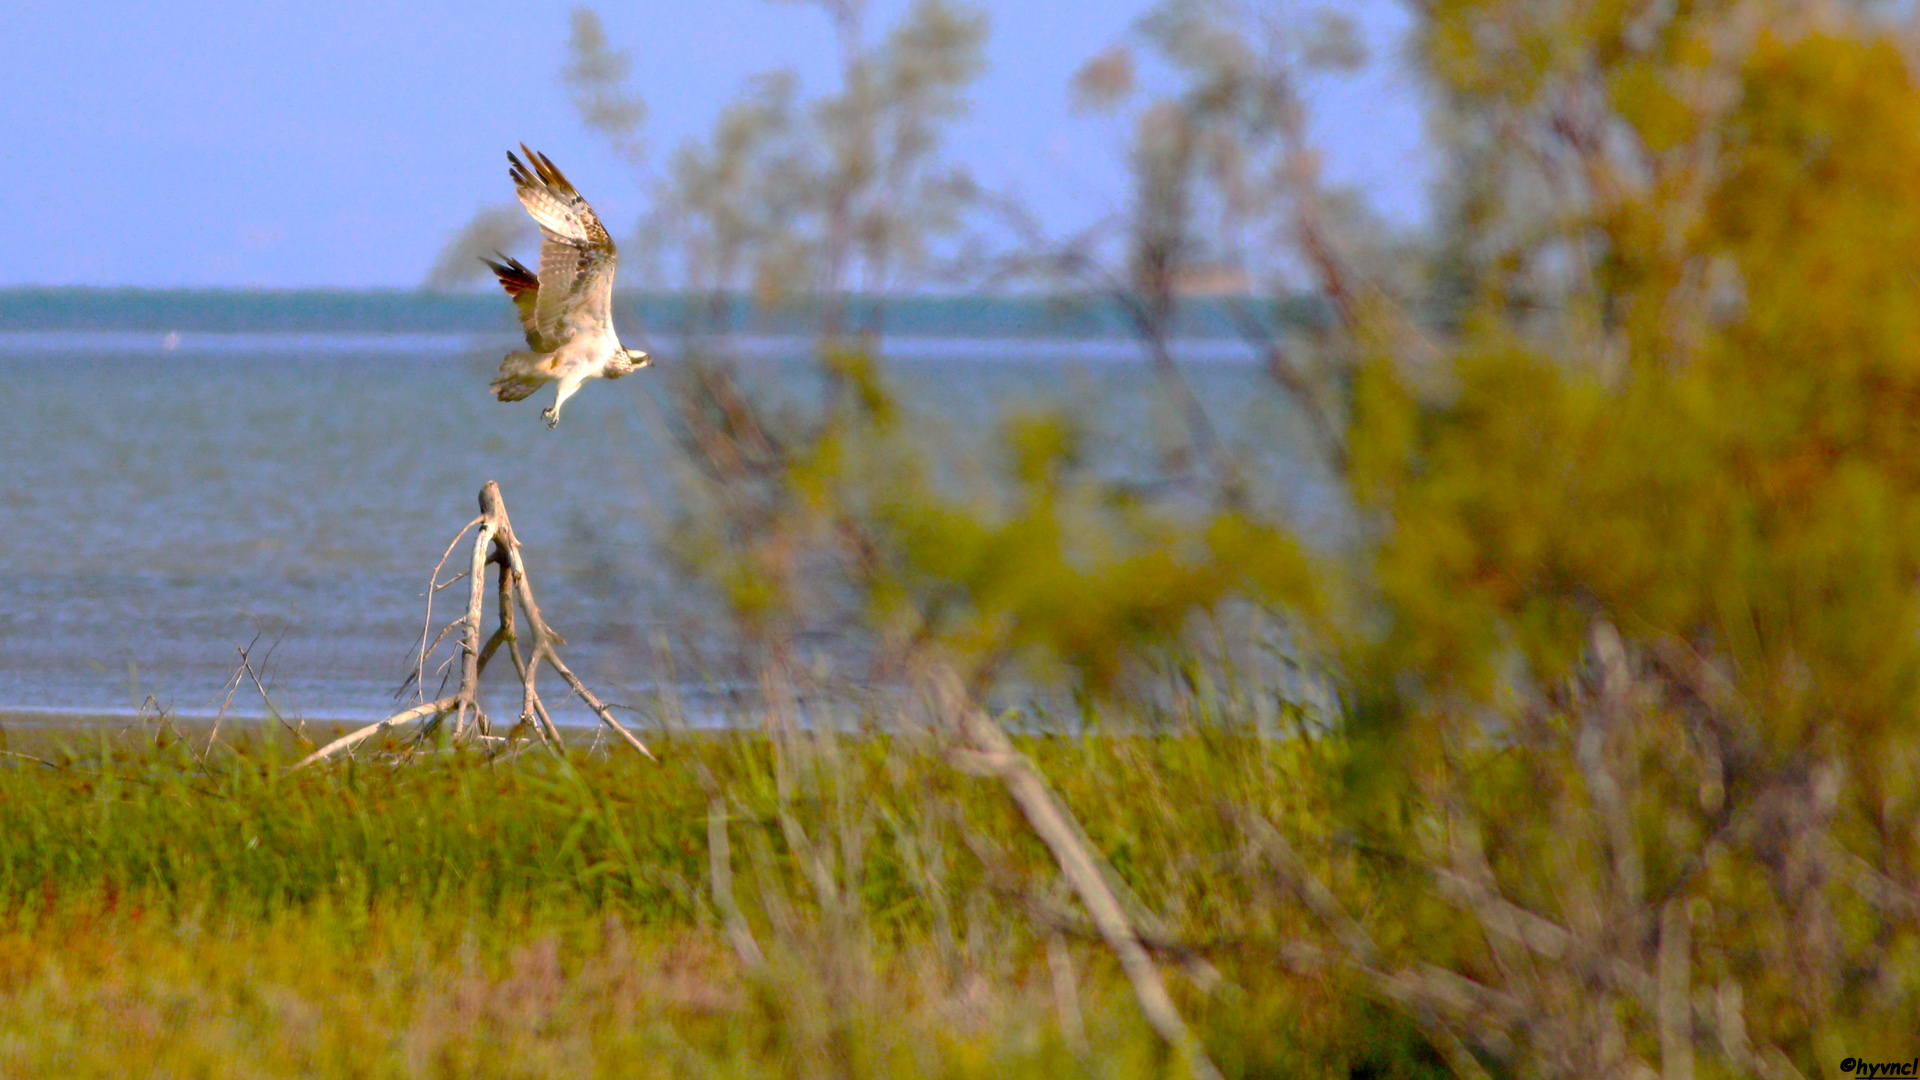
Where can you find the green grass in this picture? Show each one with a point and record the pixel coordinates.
(452, 916)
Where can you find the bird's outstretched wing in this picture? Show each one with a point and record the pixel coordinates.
(524, 288)
(575, 293)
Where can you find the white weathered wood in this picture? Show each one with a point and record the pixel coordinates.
(544, 639)
(493, 545)
(351, 739)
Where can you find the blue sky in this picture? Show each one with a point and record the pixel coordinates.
(339, 144)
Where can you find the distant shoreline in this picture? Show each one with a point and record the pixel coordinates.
(748, 346)
(1072, 317)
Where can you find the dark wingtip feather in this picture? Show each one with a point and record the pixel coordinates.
(539, 171)
(514, 277)
(550, 174)
(532, 167)
(518, 171)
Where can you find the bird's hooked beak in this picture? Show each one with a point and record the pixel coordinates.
(639, 357)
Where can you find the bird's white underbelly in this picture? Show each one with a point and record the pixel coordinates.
(571, 364)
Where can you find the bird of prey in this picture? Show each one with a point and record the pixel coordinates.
(568, 309)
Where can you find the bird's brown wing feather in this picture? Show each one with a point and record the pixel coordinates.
(521, 284)
(577, 258)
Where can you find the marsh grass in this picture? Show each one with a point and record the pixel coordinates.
(161, 911)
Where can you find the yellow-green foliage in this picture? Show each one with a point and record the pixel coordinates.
(1709, 442)
(1755, 486)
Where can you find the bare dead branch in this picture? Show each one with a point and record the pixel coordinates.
(1149, 315)
(246, 666)
(434, 586)
(467, 700)
(544, 639)
(231, 687)
(986, 749)
(1066, 993)
(354, 738)
(720, 869)
(1675, 1013)
(493, 544)
(1439, 999)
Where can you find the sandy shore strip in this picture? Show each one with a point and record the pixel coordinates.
(37, 731)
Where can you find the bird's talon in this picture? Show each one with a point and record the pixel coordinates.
(552, 417)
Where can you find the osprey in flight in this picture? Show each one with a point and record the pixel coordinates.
(568, 309)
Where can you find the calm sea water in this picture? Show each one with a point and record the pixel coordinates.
(165, 501)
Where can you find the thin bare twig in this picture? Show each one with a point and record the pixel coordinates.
(433, 587)
(232, 686)
(720, 869)
(246, 666)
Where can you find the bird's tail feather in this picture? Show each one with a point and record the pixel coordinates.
(521, 373)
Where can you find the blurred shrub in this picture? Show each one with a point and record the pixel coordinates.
(1620, 772)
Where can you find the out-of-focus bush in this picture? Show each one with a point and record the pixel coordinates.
(1644, 578)
(1621, 770)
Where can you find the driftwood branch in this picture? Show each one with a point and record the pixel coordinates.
(985, 749)
(493, 545)
(544, 639)
(354, 738)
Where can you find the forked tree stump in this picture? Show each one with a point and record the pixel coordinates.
(493, 545)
